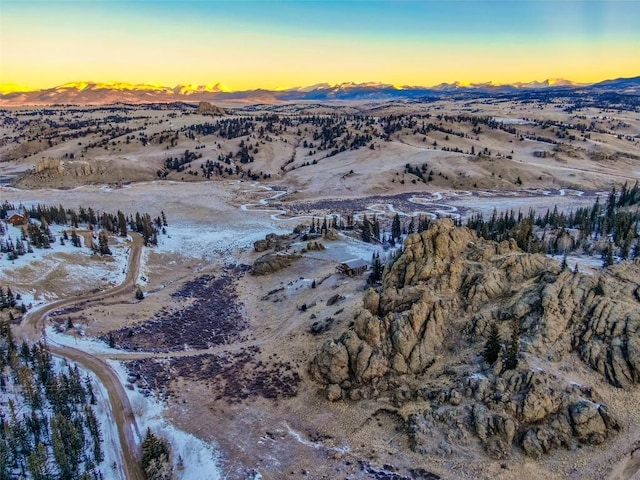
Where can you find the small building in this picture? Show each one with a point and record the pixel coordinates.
(357, 266)
(16, 219)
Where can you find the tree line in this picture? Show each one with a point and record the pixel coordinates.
(116, 223)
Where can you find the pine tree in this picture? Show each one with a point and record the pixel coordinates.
(396, 229)
(103, 244)
(564, 265)
(607, 256)
(75, 239)
(155, 455)
(513, 350)
(366, 230)
(376, 228)
(493, 346)
(122, 224)
(376, 269)
(10, 299)
(412, 226)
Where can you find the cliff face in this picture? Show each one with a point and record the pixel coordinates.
(421, 338)
(56, 173)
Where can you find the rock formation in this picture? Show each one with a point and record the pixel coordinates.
(49, 165)
(206, 108)
(420, 339)
(272, 241)
(272, 262)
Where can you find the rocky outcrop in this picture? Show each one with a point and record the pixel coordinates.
(421, 338)
(330, 234)
(206, 108)
(272, 241)
(272, 262)
(49, 165)
(314, 246)
(534, 409)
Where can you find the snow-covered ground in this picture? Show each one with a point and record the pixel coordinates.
(86, 270)
(86, 344)
(211, 243)
(586, 263)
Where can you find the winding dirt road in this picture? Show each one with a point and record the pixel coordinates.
(32, 328)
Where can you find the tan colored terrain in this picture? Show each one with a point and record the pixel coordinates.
(250, 392)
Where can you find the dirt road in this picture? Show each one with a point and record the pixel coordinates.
(32, 328)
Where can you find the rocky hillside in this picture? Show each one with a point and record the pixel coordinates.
(420, 342)
(56, 173)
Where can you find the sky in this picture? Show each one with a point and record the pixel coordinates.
(245, 45)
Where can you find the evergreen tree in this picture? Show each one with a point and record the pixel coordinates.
(366, 230)
(103, 244)
(155, 456)
(607, 256)
(75, 239)
(10, 300)
(493, 346)
(376, 228)
(412, 226)
(513, 350)
(376, 269)
(396, 229)
(122, 224)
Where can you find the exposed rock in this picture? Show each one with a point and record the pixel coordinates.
(334, 299)
(334, 392)
(441, 295)
(261, 245)
(331, 365)
(330, 234)
(587, 422)
(315, 246)
(272, 262)
(206, 108)
(49, 165)
(272, 241)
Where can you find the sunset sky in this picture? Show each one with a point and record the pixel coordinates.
(274, 45)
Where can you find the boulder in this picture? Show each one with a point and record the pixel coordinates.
(272, 262)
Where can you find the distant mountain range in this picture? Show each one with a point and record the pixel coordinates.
(91, 93)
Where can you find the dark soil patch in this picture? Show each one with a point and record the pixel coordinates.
(235, 376)
(211, 316)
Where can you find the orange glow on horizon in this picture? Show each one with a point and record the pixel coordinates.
(56, 44)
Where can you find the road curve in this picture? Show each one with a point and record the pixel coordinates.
(120, 406)
(32, 328)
